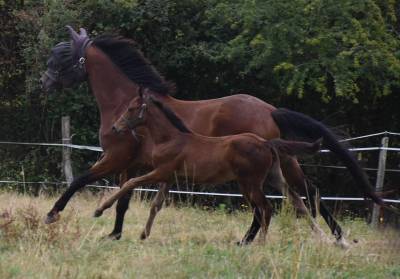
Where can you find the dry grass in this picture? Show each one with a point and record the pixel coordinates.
(185, 242)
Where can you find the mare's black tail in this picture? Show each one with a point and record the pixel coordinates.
(295, 125)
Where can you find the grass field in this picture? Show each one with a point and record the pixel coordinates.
(185, 243)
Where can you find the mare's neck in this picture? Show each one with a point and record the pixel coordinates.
(160, 128)
(111, 88)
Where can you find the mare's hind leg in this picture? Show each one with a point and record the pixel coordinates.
(121, 208)
(156, 206)
(295, 178)
(278, 181)
(336, 230)
(99, 170)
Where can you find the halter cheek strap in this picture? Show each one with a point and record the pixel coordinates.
(79, 56)
(132, 124)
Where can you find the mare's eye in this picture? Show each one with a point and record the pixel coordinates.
(130, 109)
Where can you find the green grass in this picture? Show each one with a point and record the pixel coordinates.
(185, 243)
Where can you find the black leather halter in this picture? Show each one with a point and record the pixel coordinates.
(78, 55)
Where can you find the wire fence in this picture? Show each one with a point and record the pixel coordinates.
(99, 149)
(193, 193)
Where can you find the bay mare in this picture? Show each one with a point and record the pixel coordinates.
(116, 72)
(179, 152)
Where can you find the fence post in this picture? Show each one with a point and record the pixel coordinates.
(66, 139)
(380, 177)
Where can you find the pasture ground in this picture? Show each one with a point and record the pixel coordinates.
(186, 242)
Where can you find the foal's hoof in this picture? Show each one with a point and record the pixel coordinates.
(98, 213)
(51, 218)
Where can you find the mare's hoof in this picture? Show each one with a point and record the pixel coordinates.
(143, 236)
(242, 243)
(342, 243)
(112, 236)
(51, 218)
(98, 213)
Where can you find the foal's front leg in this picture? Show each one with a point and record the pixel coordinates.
(156, 206)
(151, 177)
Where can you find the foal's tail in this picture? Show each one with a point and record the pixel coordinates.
(294, 125)
(294, 148)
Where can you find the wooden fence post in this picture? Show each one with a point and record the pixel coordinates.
(380, 177)
(66, 139)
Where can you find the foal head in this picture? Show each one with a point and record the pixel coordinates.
(66, 64)
(132, 117)
(136, 115)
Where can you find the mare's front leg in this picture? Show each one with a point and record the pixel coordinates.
(156, 206)
(152, 177)
(102, 168)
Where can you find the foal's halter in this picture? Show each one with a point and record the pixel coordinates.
(133, 123)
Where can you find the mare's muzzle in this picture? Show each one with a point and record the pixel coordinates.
(48, 81)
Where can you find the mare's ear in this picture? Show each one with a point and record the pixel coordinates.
(72, 33)
(75, 36)
(83, 32)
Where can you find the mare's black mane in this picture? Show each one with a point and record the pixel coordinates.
(124, 54)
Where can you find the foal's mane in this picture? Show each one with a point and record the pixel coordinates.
(175, 120)
(125, 55)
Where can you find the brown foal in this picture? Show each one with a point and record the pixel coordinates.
(179, 152)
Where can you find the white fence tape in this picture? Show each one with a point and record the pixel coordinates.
(199, 193)
(344, 168)
(87, 147)
(99, 149)
(372, 135)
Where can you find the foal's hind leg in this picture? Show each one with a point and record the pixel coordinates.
(262, 212)
(261, 202)
(156, 206)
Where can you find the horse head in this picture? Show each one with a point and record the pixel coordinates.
(66, 64)
(133, 116)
